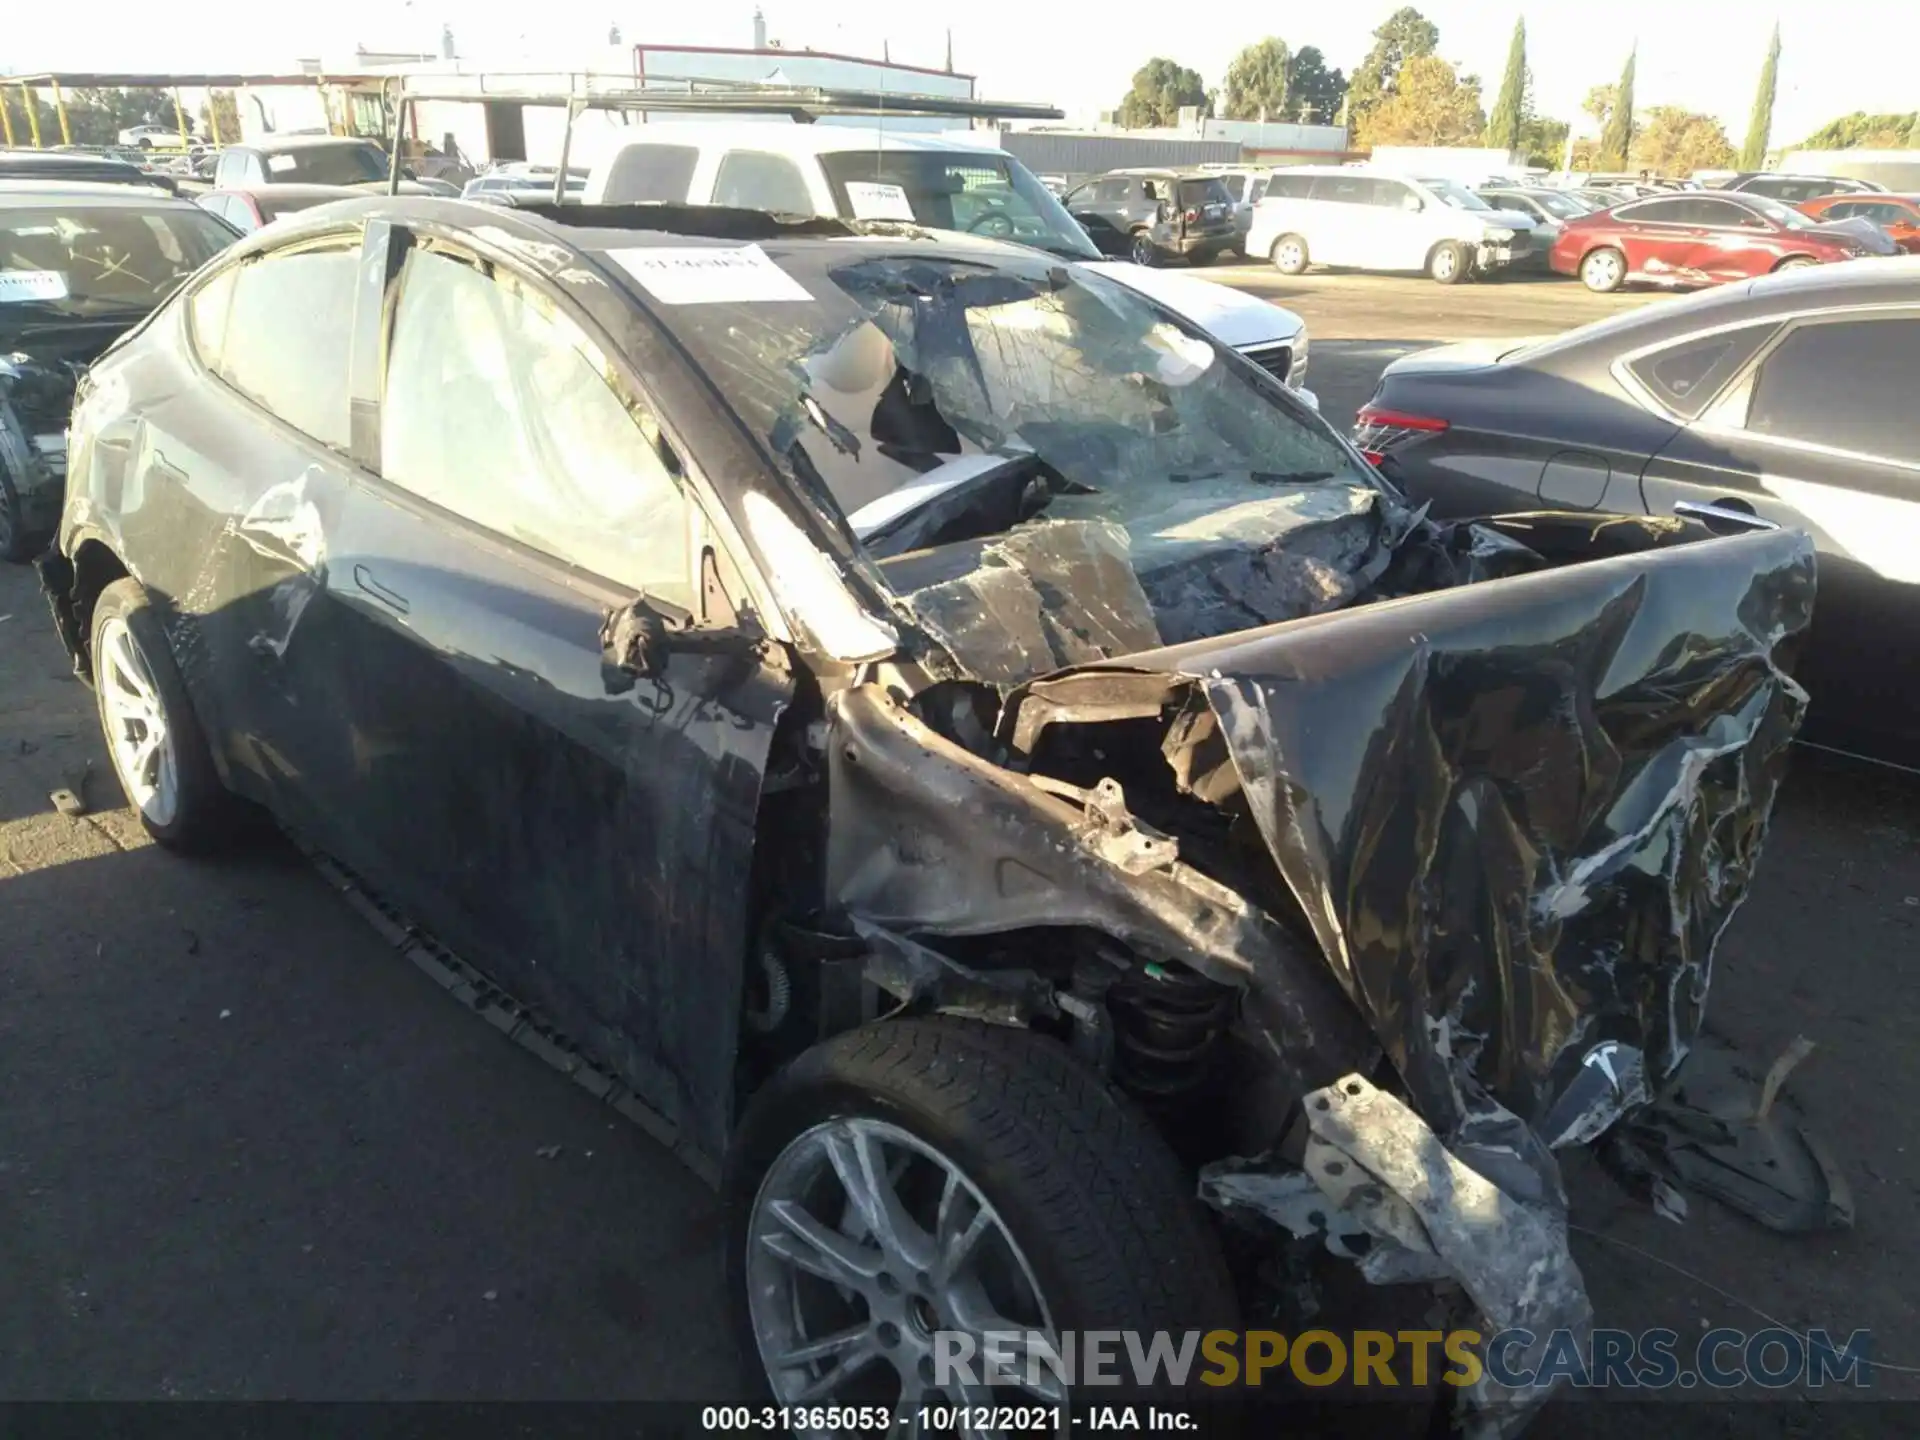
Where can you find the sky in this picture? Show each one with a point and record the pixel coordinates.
(1837, 55)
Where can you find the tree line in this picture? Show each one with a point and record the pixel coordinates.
(97, 116)
(1405, 93)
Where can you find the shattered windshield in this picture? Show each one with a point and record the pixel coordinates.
(91, 260)
(983, 194)
(1014, 423)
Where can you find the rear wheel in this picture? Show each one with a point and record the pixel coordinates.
(15, 542)
(1603, 271)
(1289, 255)
(931, 1176)
(1141, 249)
(1450, 263)
(1796, 262)
(153, 736)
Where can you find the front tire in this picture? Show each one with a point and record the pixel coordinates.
(1450, 263)
(1603, 271)
(153, 736)
(928, 1176)
(1289, 255)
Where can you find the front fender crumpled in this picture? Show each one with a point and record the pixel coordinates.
(1517, 816)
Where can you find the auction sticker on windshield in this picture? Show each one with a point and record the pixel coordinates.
(703, 275)
(18, 285)
(870, 200)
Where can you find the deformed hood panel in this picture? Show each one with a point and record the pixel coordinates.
(1519, 814)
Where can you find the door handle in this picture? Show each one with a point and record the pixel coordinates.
(367, 585)
(1722, 512)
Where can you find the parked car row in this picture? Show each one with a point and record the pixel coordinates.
(1786, 401)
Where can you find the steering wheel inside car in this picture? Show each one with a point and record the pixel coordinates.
(996, 224)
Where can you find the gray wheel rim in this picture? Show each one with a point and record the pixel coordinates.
(1445, 262)
(1142, 250)
(863, 1242)
(138, 736)
(1290, 255)
(1603, 270)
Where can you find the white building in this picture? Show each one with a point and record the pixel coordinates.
(483, 131)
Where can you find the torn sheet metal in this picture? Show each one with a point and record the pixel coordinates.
(1518, 815)
(926, 838)
(917, 975)
(1378, 1186)
(1716, 1129)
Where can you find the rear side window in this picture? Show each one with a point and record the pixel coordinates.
(1290, 187)
(1685, 377)
(756, 180)
(1656, 212)
(1344, 189)
(1203, 192)
(1724, 215)
(287, 335)
(498, 409)
(1848, 385)
(650, 175)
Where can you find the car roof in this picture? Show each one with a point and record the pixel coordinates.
(291, 191)
(60, 159)
(51, 194)
(1884, 281)
(781, 137)
(282, 143)
(592, 228)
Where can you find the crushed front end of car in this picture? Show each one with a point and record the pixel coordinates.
(1389, 903)
(1375, 859)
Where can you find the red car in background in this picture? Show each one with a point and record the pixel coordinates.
(1698, 239)
(1898, 215)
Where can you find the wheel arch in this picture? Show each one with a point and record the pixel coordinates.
(91, 566)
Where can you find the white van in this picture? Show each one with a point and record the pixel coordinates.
(1378, 220)
(947, 182)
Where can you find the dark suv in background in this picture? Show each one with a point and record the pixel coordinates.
(1149, 215)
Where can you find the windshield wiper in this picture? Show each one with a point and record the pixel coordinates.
(913, 515)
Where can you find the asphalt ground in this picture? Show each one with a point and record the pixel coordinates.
(248, 1152)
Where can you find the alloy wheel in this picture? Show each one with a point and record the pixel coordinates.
(863, 1244)
(138, 737)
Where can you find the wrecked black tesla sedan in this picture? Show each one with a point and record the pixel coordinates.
(79, 265)
(995, 779)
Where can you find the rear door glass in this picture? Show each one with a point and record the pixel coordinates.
(758, 180)
(650, 175)
(1847, 385)
(288, 335)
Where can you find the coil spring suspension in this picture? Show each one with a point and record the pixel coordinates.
(1166, 1022)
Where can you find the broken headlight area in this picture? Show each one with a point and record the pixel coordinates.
(1453, 865)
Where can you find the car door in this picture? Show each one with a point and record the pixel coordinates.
(584, 835)
(229, 478)
(1820, 433)
(1337, 223)
(1660, 240)
(1734, 243)
(1402, 225)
